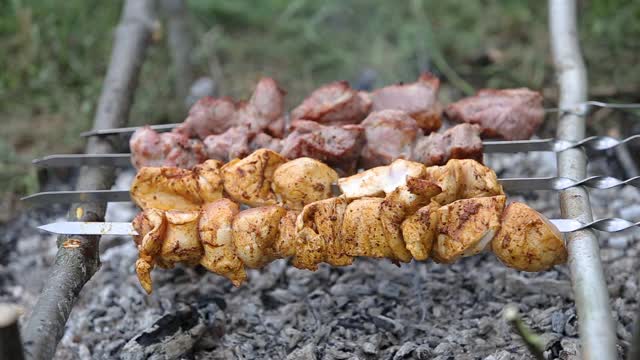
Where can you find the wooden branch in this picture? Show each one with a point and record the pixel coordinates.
(77, 258)
(180, 46)
(10, 343)
(597, 332)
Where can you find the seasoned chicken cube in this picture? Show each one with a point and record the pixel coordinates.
(419, 231)
(216, 235)
(151, 226)
(249, 180)
(255, 232)
(395, 208)
(182, 239)
(527, 240)
(362, 232)
(381, 180)
(476, 179)
(318, 234)
(170, 188)
(287, 241)
(303, 181)
(466, 227)
(448, 179)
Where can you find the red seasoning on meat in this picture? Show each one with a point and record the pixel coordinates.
(459, 142)
(511, 114)
(233, 143)
(335, 103)
(390, 135)
(208, 116)
(150, 148)
(418, 99)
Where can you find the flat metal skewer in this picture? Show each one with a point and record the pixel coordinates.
(591, 145)
(126, 228)
(509, 185)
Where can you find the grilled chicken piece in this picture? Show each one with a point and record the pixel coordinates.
(287, 241)
(362, 232)
(249, 180)
(150, 148)
(335, 103)
(390, 135)
(217, 240)
(418, 99)
(381, 180)
(151, 225)
(396, 207)
(466, 227)
(171, 188)
(255, 232)
(303, 181)
(318, 234)
(511, 114)
(527, 241)
(208, 116)
(181, 239)
(461, 179)
(337, 146)
(419, 231)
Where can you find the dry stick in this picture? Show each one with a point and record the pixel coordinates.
(10, 343)
(77, 258)
(596, 325)
(180, 46)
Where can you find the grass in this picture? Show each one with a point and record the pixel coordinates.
(56, 54)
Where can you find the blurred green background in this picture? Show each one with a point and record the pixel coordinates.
(55, 54)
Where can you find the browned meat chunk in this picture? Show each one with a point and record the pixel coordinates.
(265, 110)
(264, 141)
(459, 142)
(149, 148)
(389, 135)
(335, 103)
(208, 116)
(337, 146)
(511, 114)
(231, 144)
(418, 99)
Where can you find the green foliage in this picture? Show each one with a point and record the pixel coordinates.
(55, 55)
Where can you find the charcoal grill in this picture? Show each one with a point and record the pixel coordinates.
(76, 264)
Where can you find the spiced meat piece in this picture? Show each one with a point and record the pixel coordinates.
(208, 116)
(418, 99)
(337, 146)
(335, 103)
(265, 109)
(459, 142)
(231, 144)
(389, 135)
(150, 148)
(511, 114)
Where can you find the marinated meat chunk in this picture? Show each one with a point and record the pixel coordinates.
(511, 114)
(150, 148)
(335, 103)
(418, 99)
(337, 146)
(233, 143)
(389, 135)
(264, 141)
(459, 142)
(265, 109)
(208, 116)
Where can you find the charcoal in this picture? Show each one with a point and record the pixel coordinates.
(405, 350)
(307, 352)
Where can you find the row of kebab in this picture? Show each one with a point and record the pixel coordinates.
(346, 174)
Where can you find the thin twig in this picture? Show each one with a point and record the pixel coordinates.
(77, 258)
(597, 332)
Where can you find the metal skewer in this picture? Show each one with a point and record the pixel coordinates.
(126, 228)
(592, 145)
(510, 185)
